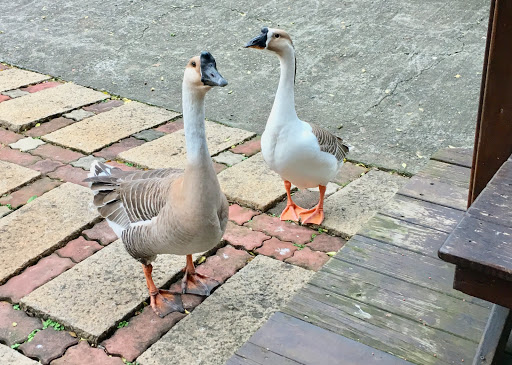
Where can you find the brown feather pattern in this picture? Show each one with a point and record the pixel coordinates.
(330, 143)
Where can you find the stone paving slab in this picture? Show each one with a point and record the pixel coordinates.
(24, 112)
(93, 296)
(36, 228)
(169, 150)
(350, 208)
(225, 320)
(14, 175)
(14, 78)
(13, 357)
(252, 183)
(99, 131)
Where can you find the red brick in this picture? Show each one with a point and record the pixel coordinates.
(83, 354)
(142, 331)
(224, 264)
(218, 167)
(34, 276)
(348, 173)
(277, 249)
(171, 126)
(17, 157)
(326, 243)
(285, 231)
(79, 249)
(7, 137)
(308, 259)
(10, 334)
(3, 67)
(46, 166)
(101, 232)
(248, 148)
(240, 236)
(4, 98)
(240, 215)
(48, 345)
(56, 153)
(37, 188)
(49, 127)
(70, 174)
(111, 152)
(103, 107)
(41, 86)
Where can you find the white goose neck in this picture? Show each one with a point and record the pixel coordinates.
(283, 109)
(193, 119)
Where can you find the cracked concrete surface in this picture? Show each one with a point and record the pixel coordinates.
(402, 77)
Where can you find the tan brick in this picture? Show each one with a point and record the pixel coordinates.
(14, 78)
(169, 150)
(38, 227)
(14, 175)
(100, 291)
(252, 183)
(96, 132)
(26, 111)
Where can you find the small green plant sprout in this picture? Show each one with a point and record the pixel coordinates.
(33, 197)
(16, 307)
(32, 334)
(300, 247)
(15, 346)
(331, 254)
(55, 325)
(313, 235)
(122, 324)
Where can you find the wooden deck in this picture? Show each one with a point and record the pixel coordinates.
(386, 292)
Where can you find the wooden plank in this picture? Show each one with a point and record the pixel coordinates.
(251, 354)
(494, 130)
(456, 156)
(504, 174)
(491, 347)
(425, 271)
(404, 234)
(410, 340)
(431, 190)
(494, 205)
(484, 286)
(307, 344)
(481, 246)
(422, 213)
(447, 173)
(402, 298)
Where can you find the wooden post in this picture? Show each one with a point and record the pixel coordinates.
(493, 137)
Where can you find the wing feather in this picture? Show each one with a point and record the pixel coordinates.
(330, 143)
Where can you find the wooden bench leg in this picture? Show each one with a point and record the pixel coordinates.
(495, 337)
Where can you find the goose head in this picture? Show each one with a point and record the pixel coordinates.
(201, 73)
(272, 39)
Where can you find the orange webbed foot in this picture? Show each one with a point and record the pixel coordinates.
(198, 284)
(312, 216)
(164, 302)
(291, 213)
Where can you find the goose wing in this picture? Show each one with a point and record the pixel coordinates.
(126, 198)
(330, 143)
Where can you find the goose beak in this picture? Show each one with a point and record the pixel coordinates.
(259, 42)
(209, 74)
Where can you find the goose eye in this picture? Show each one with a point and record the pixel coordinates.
(193, 64)
(276, 35)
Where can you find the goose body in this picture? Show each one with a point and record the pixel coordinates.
(170, 211)
(303, 154)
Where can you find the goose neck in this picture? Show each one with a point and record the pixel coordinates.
(193, 119)
(284, 103)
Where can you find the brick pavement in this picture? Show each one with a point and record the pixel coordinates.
(60, 262)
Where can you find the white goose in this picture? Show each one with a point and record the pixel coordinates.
(170, 211)
(301, 153)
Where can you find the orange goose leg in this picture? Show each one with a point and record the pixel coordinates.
(162, 301)
(315, 215)
(195, 283)
(292, 210)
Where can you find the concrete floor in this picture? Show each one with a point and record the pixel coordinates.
(401, 78)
